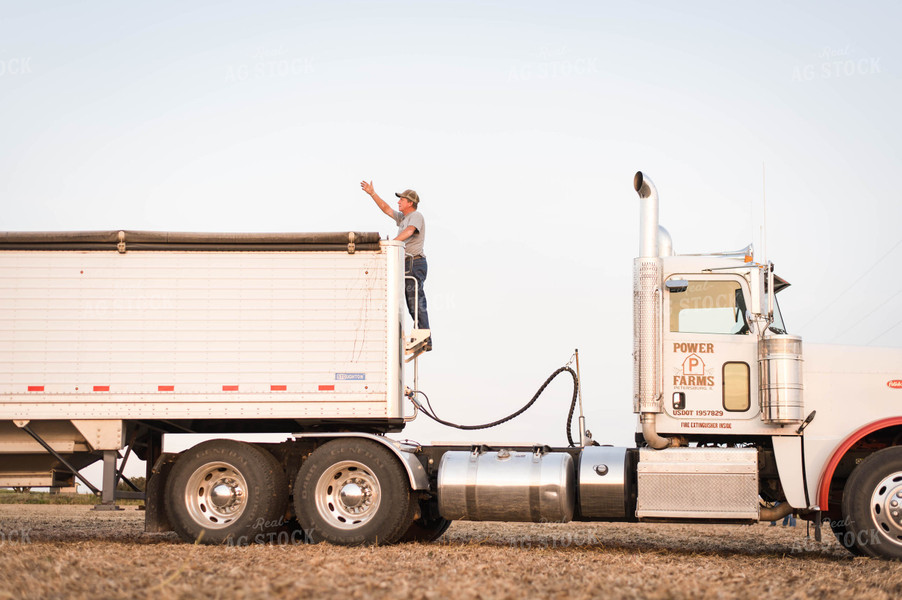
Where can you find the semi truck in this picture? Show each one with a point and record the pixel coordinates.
(111, 340)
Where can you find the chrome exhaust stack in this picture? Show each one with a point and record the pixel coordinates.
(648, 215)
(648, 327)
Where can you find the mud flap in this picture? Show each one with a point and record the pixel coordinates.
(155, 518)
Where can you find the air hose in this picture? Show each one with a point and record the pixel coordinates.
(431, 413)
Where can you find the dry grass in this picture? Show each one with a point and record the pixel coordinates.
(11, 497)
(69, 551)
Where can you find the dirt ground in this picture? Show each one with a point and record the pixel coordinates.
(73, 552)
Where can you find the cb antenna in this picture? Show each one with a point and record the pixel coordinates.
(764, 212)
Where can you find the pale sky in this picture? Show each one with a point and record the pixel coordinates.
(520, 124)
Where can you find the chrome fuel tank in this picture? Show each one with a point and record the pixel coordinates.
(507, 485)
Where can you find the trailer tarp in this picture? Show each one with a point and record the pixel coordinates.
(127, 241)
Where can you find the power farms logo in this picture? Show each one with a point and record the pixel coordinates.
(896, 384)
(693, 375)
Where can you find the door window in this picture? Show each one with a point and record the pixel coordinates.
(709, 306)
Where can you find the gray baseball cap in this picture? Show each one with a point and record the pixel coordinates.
(410, 195)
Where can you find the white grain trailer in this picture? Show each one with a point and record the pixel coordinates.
(110, 341)
(114, 338)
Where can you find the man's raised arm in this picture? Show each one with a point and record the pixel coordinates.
(383, 205)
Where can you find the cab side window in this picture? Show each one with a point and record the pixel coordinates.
(709, 306)
(736, 387)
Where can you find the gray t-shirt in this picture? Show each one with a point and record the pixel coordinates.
(414, 244)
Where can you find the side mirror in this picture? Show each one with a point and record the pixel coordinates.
(750, 321)
(770, 292)
(675, 286)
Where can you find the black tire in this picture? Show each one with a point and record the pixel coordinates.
(868, 510)
(353, 492)
(428, 527)
(223, 491)
(284, 488)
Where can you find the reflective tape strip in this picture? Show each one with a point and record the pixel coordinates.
(327, 388)
(36, 388)
(165, 388)
(230, 388)
(278, 388)
(101, 388)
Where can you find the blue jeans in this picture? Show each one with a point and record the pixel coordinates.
(416, 267)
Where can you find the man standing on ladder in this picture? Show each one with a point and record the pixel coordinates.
(411, 231)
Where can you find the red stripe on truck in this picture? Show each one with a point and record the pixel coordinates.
(827, 476)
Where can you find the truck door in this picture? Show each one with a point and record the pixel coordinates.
(709, 354)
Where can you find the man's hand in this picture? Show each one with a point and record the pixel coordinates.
(382, 204)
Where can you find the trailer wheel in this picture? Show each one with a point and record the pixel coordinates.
(223, 491)
(353, 492)
(872, 504)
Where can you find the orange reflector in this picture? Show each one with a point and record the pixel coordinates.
(101, 388)
(36, 388)
(165, 388)
(230, 388)
(327, 388)
(278, 388)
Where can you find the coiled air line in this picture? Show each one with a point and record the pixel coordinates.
(411, 394)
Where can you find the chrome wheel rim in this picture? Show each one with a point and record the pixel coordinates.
(216, 495)
(886, 507)
(347, 495)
